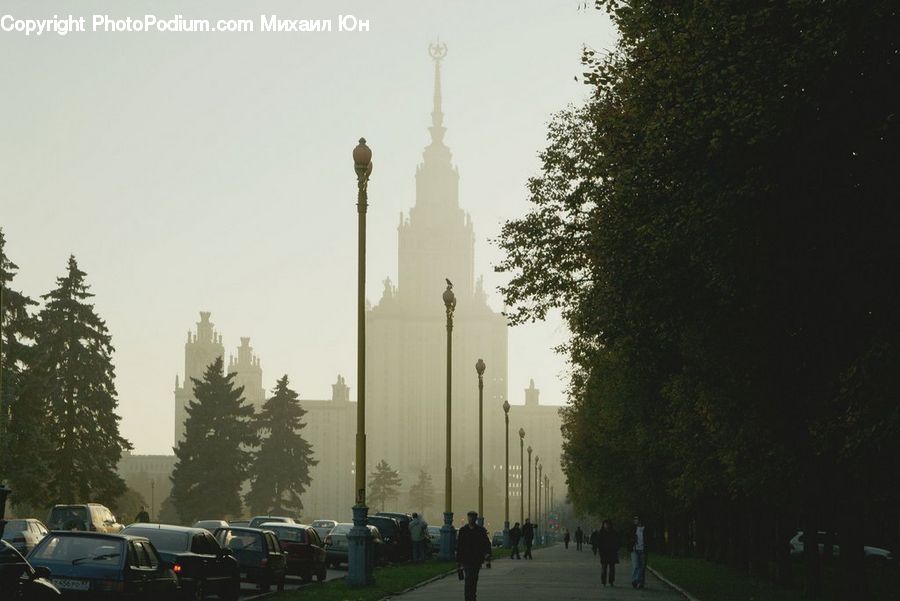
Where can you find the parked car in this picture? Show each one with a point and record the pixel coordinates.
(497, 539)
(211, 525)
(304, 551)
(200, 563)
(434, 539)
(238, 524)
(323, 527)
(395, 548)
(257, 520)
(336, 545)
(258, 554)
(91, 517)
(24, 534)
(19, 580)
(873, 554)
(105, 565)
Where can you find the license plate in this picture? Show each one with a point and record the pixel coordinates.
(71, 584)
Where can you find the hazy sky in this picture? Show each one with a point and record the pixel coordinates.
(193, 172)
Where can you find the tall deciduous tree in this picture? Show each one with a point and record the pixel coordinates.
(280, 473)
(72, 378)
(421, 494)
(213, 460)
(21, 453)
(384, 484)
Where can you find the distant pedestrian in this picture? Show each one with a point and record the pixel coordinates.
(638, 543)
(418, 529)
(515, 535)
(473, 547)
(566, 538)
(142, 516)
(595, 541)
(528, 537)
(579, 538)
(608, 543)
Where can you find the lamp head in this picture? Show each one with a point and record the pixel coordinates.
(506, 407)
(479, 367)
(362, 160)
(522, 433)
(449, 298)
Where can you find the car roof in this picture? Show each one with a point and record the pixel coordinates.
(285, 525)
(244, 529)
(168, 527)
(106, 535)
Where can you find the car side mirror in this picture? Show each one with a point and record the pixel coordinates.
(42, 572)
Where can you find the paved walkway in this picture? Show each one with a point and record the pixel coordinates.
(555, 574)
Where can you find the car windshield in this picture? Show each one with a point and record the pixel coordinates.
(13, 528)
(79, 550)
(171, 541)
(68, 517)
(293, 535)
(384, 525)
(240, 541)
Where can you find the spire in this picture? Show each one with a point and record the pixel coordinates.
(438, 51)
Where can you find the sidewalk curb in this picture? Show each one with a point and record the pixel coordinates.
(419, 585)
(668, 582)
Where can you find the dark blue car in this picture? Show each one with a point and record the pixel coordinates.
(93, 565)
(258, 553)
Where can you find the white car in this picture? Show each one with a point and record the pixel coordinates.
(870, 553)
(24, 534)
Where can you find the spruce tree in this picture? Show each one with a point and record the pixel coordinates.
(281, 466)
(421, 494)
(72, 377)
(384, 484)
(213, 461)
(16, 330)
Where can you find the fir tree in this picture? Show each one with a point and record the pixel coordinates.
(421, 494)
(384, 484)
(72, 377)
(16, 329)
(212, 462)
(281, 466)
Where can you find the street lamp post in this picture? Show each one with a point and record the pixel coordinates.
(537, 499)
(546, 502)
(360, 551)
(529, 483)
(506, 507)
(448, 538)
(541, 498)
(479, 368)
(521, 473)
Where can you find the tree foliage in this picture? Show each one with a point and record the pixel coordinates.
(213, 459)
(70, 384)
(717, 226)
(421, 494)
(384, 484)
(280, 473)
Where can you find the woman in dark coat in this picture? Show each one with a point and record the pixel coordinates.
(609, 543)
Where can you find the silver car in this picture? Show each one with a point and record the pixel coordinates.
(24, 534)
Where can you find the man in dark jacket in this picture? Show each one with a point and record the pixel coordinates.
(595, 541)
(608, 544)
(528, 537)
(473, 547)
(515, 535)
(579, 538)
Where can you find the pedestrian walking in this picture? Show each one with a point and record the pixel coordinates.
(638, 544)
(528, 537)
(473, 547)
(608, 543)
(566, 538)
(595, 541)
(515, 535)
(579, 538)
(142, 516)
(418, 529)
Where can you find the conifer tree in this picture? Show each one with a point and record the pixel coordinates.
(212, 462)
(16, 330)
(282, 463)
(384, 484)
(72, 377)
(421, 494)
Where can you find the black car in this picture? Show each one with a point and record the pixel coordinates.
(258, 553)
(105, 566)
(404, 538)
(394, 547)
(201, 564)
(19, 580)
